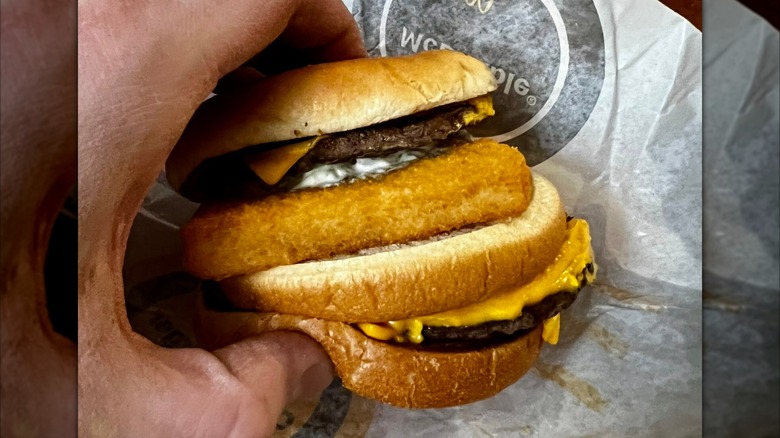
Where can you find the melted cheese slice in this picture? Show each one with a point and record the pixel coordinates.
(271, 165)
(551, 329)
(563, 275)
(483, 108)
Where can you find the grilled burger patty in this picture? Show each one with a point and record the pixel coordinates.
(415, 131)
(531, 317)
(230, 178)
(455, 338)
(501, 331)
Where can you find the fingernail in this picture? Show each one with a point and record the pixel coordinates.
(315, 379)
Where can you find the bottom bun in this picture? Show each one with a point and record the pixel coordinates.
(404, 377)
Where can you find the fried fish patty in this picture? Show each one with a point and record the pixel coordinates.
(428, 197)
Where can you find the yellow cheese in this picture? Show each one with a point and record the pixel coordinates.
(378, 331)
(399, 331)
(483, 108)
(409, 329)
(551, 328)
(563, 275)
(271, 165)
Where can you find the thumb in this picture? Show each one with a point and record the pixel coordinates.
(278, 367)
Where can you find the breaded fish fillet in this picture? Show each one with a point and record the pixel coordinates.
(428, 197)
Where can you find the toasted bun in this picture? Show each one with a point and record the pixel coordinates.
(326, 98)
(474, 183)
(400, 376)
(414, 280)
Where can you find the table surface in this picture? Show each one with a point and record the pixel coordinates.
(766, 9)
(690, 9)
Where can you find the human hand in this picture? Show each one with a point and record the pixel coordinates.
(144, 67)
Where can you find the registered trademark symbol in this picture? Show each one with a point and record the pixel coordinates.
(531, 100)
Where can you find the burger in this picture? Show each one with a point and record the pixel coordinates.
(347, 201)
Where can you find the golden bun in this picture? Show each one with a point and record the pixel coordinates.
(474, 183)
(414, 279)
(400, 376)
(323, 99)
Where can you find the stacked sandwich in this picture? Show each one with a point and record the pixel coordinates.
(346, 201)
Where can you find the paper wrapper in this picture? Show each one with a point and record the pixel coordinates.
(742, 220)
(605, 100)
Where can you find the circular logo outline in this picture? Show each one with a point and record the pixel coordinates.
(560, 79)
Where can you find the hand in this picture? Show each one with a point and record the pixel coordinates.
(144, 66)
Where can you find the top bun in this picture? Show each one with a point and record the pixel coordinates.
(324, 99)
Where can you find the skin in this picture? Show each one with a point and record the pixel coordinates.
(143, 68)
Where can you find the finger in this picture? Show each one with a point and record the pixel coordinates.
(279, 367)
(298, 47)
(337, 36)
(288, 52)
(315, 30)
(280, 56)
(165, 57)
(238, 79)
(150, 64)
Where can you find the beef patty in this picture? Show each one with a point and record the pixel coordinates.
(495, 332)
(456, 338)
(415, 131)
(227, 177)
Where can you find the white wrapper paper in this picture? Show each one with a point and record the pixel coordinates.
(742, 219)
(610, 110)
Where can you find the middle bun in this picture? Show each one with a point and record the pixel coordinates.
(457, 271)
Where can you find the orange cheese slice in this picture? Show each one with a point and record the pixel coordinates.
(563, 275)
(551, 329)
(272, 164)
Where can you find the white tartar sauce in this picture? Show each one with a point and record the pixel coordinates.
(326, 175)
